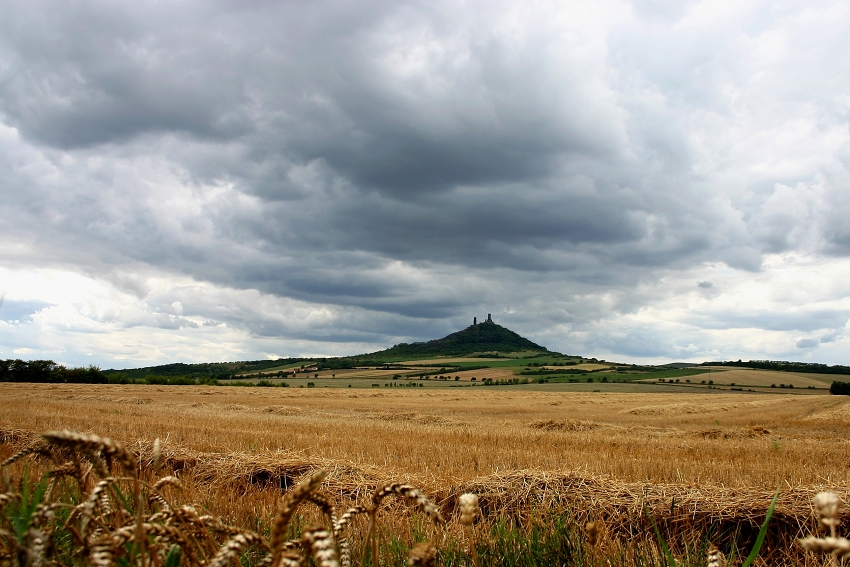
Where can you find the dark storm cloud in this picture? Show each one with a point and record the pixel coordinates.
(78, 75)
(412, 163)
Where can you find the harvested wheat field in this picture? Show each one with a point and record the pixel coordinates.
(706, 466)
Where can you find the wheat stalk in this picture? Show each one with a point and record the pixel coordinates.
(826, 506)
(167, 481)
(409, 493)
(287, 508)
(233, 547)
(838, 546)
(345, 520)
(157, 454)
(82, 443)
(324, 504)
(319, 542)
(412, 495)
(39, 448)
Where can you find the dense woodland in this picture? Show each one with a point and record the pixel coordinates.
(808, 367)
(47, 371)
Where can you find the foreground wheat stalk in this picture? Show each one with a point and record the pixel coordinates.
(826, 505)
(43, 523)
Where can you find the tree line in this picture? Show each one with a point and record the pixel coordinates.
(50, 372)
(809, 367)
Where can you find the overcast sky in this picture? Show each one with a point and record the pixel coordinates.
(229, 180)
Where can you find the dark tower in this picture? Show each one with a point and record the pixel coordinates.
(489, 319)
(474, 321)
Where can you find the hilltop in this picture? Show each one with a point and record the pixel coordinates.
(486, 337)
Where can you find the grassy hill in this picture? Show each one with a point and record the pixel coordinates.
(208, 370)
(487, 337)
(486, 351)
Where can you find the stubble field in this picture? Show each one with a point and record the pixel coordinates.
(705, 465)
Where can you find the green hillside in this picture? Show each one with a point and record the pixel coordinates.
(483, 337)
(208, 370)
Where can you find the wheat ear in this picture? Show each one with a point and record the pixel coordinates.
(320, 543)
(322, 502)
(8, 497)
(287, 508)
(838, 546)
(344, 551)
(92, 443)
(468, 504)
(714, 558)
(422, 555)
(157, 454)
(345, 520)
(826, 509)
(40, 448)
(233, 547)
(291, 559)
(412, 495)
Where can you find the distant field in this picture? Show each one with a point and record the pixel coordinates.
(675, 380)
(745, 377)
(757, 377)
(443, 361)
(582, 366)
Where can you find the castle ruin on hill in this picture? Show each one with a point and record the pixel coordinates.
(475, 320)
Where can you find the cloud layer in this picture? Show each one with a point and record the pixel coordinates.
(195, 181)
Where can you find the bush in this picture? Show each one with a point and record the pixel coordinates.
(119, 378)
(270, 384)
(840, 389)
(169, 380)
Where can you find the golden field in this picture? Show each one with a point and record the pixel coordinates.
(452, 435)
(719, 456)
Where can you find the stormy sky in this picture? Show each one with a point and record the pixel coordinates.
(636, 181)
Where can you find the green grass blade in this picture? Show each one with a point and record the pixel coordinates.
(173, 557)
(762, 532)
(671, 561)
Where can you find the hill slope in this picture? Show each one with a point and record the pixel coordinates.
(484, 337)
(481, 338)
